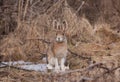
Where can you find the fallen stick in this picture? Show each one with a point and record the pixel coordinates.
(11, 66)
(81, 70)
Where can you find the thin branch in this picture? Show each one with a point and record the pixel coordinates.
(92, 66)
(81, 70)
(101, 75)
(115, 68)
(104, 68)
(83, 79)
(79, 8)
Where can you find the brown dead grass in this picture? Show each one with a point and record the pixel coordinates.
(99, 75)
(100, 44)
(105, 35)
(28, 31)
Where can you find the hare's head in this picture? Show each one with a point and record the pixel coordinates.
(60, 28)
(60, 36)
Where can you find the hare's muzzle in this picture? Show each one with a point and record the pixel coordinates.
(60, 38)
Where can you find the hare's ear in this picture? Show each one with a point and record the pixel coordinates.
(59, 27)
(55, 25)
(64, 25)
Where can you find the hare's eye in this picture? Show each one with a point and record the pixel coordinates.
(63, 33)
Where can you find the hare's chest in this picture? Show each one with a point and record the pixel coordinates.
(60, 50)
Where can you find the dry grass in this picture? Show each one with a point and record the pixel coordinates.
(30, 29)
(95, 74)
(101, 44)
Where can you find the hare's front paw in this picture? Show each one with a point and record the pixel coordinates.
(63, 68)
(57, 69)
(67, 68)
(49, 66)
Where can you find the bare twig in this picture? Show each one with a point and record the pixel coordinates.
(101, 75)
(81, 70)
(108, 71)
(25, 10)
(79, 8)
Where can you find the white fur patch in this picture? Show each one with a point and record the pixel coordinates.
(63, 67)
(57, 68)
(49, 66)
(60, 38)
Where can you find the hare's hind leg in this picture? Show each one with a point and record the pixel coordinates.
(62, 64)
(50, 63)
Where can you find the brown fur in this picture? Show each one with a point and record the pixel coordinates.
(57, 51)
(55, 47)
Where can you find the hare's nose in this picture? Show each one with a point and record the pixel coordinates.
(58, 38)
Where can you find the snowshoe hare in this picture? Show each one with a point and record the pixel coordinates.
(57, 51)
